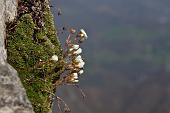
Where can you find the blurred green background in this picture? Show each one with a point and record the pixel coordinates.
(127, 55)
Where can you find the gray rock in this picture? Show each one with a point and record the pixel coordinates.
(13, 98)
(2, 32)
(11, 9)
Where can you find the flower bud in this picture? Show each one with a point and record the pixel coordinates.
(72, 30)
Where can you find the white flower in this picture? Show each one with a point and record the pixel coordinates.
(75, 46)
(80, 64)
(84, 34)
(81, 71)
(75, 75)
(78, 51)
(76, 81)
(54, 58)
(78, 59)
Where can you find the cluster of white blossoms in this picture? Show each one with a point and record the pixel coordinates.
(75, 64)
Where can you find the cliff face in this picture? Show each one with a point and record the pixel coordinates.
(30, 42)
(13, 97)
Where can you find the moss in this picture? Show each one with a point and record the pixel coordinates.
(29, 51)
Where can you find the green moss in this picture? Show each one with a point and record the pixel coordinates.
(29, 51)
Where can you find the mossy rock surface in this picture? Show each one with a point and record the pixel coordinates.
(29, 49)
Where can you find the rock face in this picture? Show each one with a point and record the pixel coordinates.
(13, 97)
(2, 32)
(31, 43)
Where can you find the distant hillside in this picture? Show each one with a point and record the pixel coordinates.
(127, 53)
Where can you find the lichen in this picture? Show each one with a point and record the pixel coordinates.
(29, 50)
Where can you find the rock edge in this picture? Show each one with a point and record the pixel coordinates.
(13, 98)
